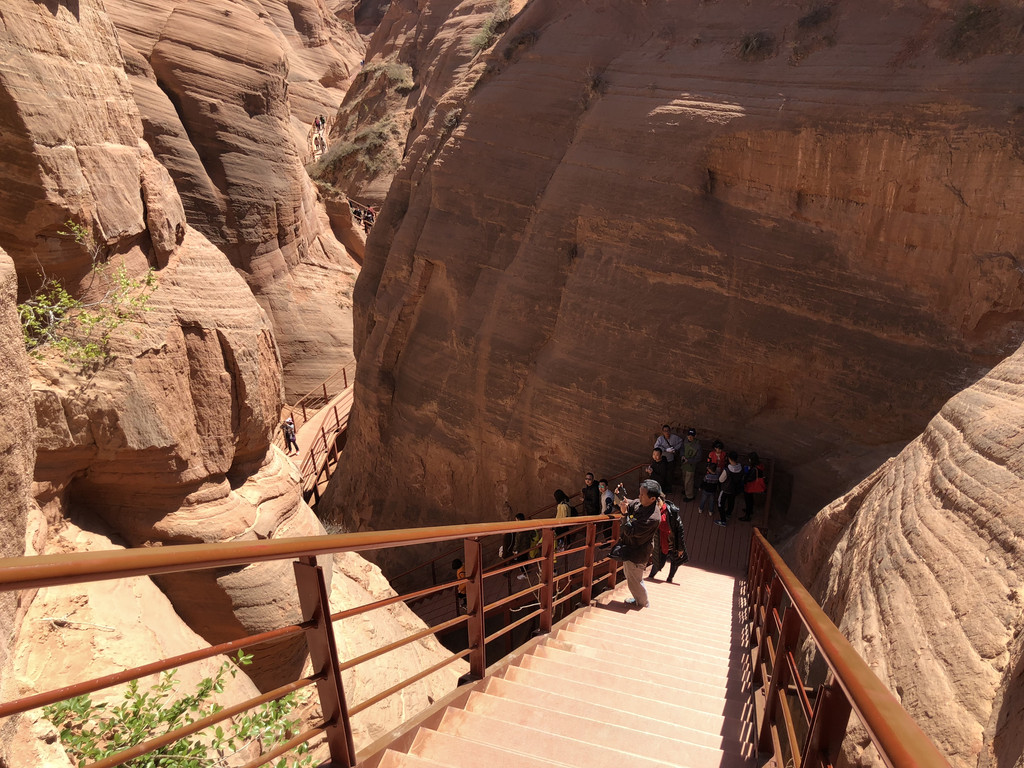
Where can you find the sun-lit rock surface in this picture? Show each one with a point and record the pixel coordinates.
(922, 567)
(802, 242)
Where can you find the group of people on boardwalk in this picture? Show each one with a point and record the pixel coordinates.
(723, 476)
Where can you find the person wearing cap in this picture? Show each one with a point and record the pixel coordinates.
(640, 522)
(288, 429)
(691, 455)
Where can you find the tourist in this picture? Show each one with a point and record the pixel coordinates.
(640, 522)
(660, 470)
(670, 544)
(288, 430)
(731, 480)
(709, 489)
(516, 546)
(460, 592)
(753, 482)
(563, 509)
(670, 445)
(607, 498)
(691, 456)
(591, 496)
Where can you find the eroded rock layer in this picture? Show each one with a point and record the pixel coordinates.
(921, 567)
(798, 232)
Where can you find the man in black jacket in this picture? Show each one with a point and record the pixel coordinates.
(641, 518)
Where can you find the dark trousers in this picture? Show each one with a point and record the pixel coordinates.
(659, 561)
(725, 506)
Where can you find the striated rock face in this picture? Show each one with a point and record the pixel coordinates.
(802, 241)
(227, 92)
(17, 452)
(921, 567)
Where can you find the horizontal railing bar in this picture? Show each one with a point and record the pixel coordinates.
(288, 746)
(212, 719)
(510, 598)
(900, 740)
(353, 711)
(77, 567)
(391, 601)
(506, 629)
(404, 641)
(563, 598)
(569, 574)
(500, 569)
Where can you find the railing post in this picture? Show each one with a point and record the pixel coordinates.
(547, 579)
(326, 398)
(613, 565)
(344, 376)
(828, 727)
(788, 633)
(475, 608)
(323, 654)
(774, 598)
(588, 564)
(304, 417)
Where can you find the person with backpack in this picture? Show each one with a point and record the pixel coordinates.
(670, 543)
(563, 510)
(709, 485)
(288, 430)
(731, 480)
(753, 482)
(640, 523)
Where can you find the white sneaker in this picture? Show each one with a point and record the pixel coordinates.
(521, 577)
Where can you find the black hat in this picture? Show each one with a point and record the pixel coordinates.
(691, 432)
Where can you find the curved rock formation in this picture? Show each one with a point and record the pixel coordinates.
(922, 567)
(226, 93)
(795, 232)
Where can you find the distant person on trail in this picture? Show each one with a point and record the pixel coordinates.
(640, 522)
(288, 430)
(660, 470)
(753, 482)
(691, 456)
(460, 591)
(731, 481)
(563, 510)
(517, 546)
(671, 445)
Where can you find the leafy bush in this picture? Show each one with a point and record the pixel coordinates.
(398, 74)
(90, 732)
(82, 332)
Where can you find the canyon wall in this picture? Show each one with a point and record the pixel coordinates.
(793, 229)
(162, 433)
(922, 568)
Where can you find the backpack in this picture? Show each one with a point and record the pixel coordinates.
(753, 480)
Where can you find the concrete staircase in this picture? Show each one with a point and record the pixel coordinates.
(611, 687)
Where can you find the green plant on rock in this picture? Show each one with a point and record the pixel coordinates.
(488, 33)
(90, 731)
(81, 332)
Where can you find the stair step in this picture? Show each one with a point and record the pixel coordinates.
(654, 718)
(720, 668)
(720, 680)
(464, 753)
(709, 656)
(682, 621)
(393, 759)
(674, 676)
(657, 692)
(573, 750)
(709, 722)
(722, 644)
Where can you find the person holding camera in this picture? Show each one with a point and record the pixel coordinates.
(640, 522)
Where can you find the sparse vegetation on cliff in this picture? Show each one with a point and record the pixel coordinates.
(372, 148)
(398, 74)
(756, 46)
(80, 331)
(488, 33)
(90, 731)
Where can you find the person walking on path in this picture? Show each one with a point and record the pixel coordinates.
(670, 543)
(288, 430)
(731, 480)
(591, 496)
(660, 470)
(640, 522)
(692, 454)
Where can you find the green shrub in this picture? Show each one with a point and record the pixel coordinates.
(756, 46)
(89, 731)
(82, 332)
(488, 33)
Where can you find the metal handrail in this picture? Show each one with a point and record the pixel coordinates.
(17, 573)
(900, 741)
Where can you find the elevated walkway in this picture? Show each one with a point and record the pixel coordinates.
(610, 686)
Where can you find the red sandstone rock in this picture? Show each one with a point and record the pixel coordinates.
(921, 567)
(632, 221)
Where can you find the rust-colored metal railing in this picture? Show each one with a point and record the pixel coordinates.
(311, 402)
(418, 572)
(804, 725)
(318, 623)
(321, 458)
